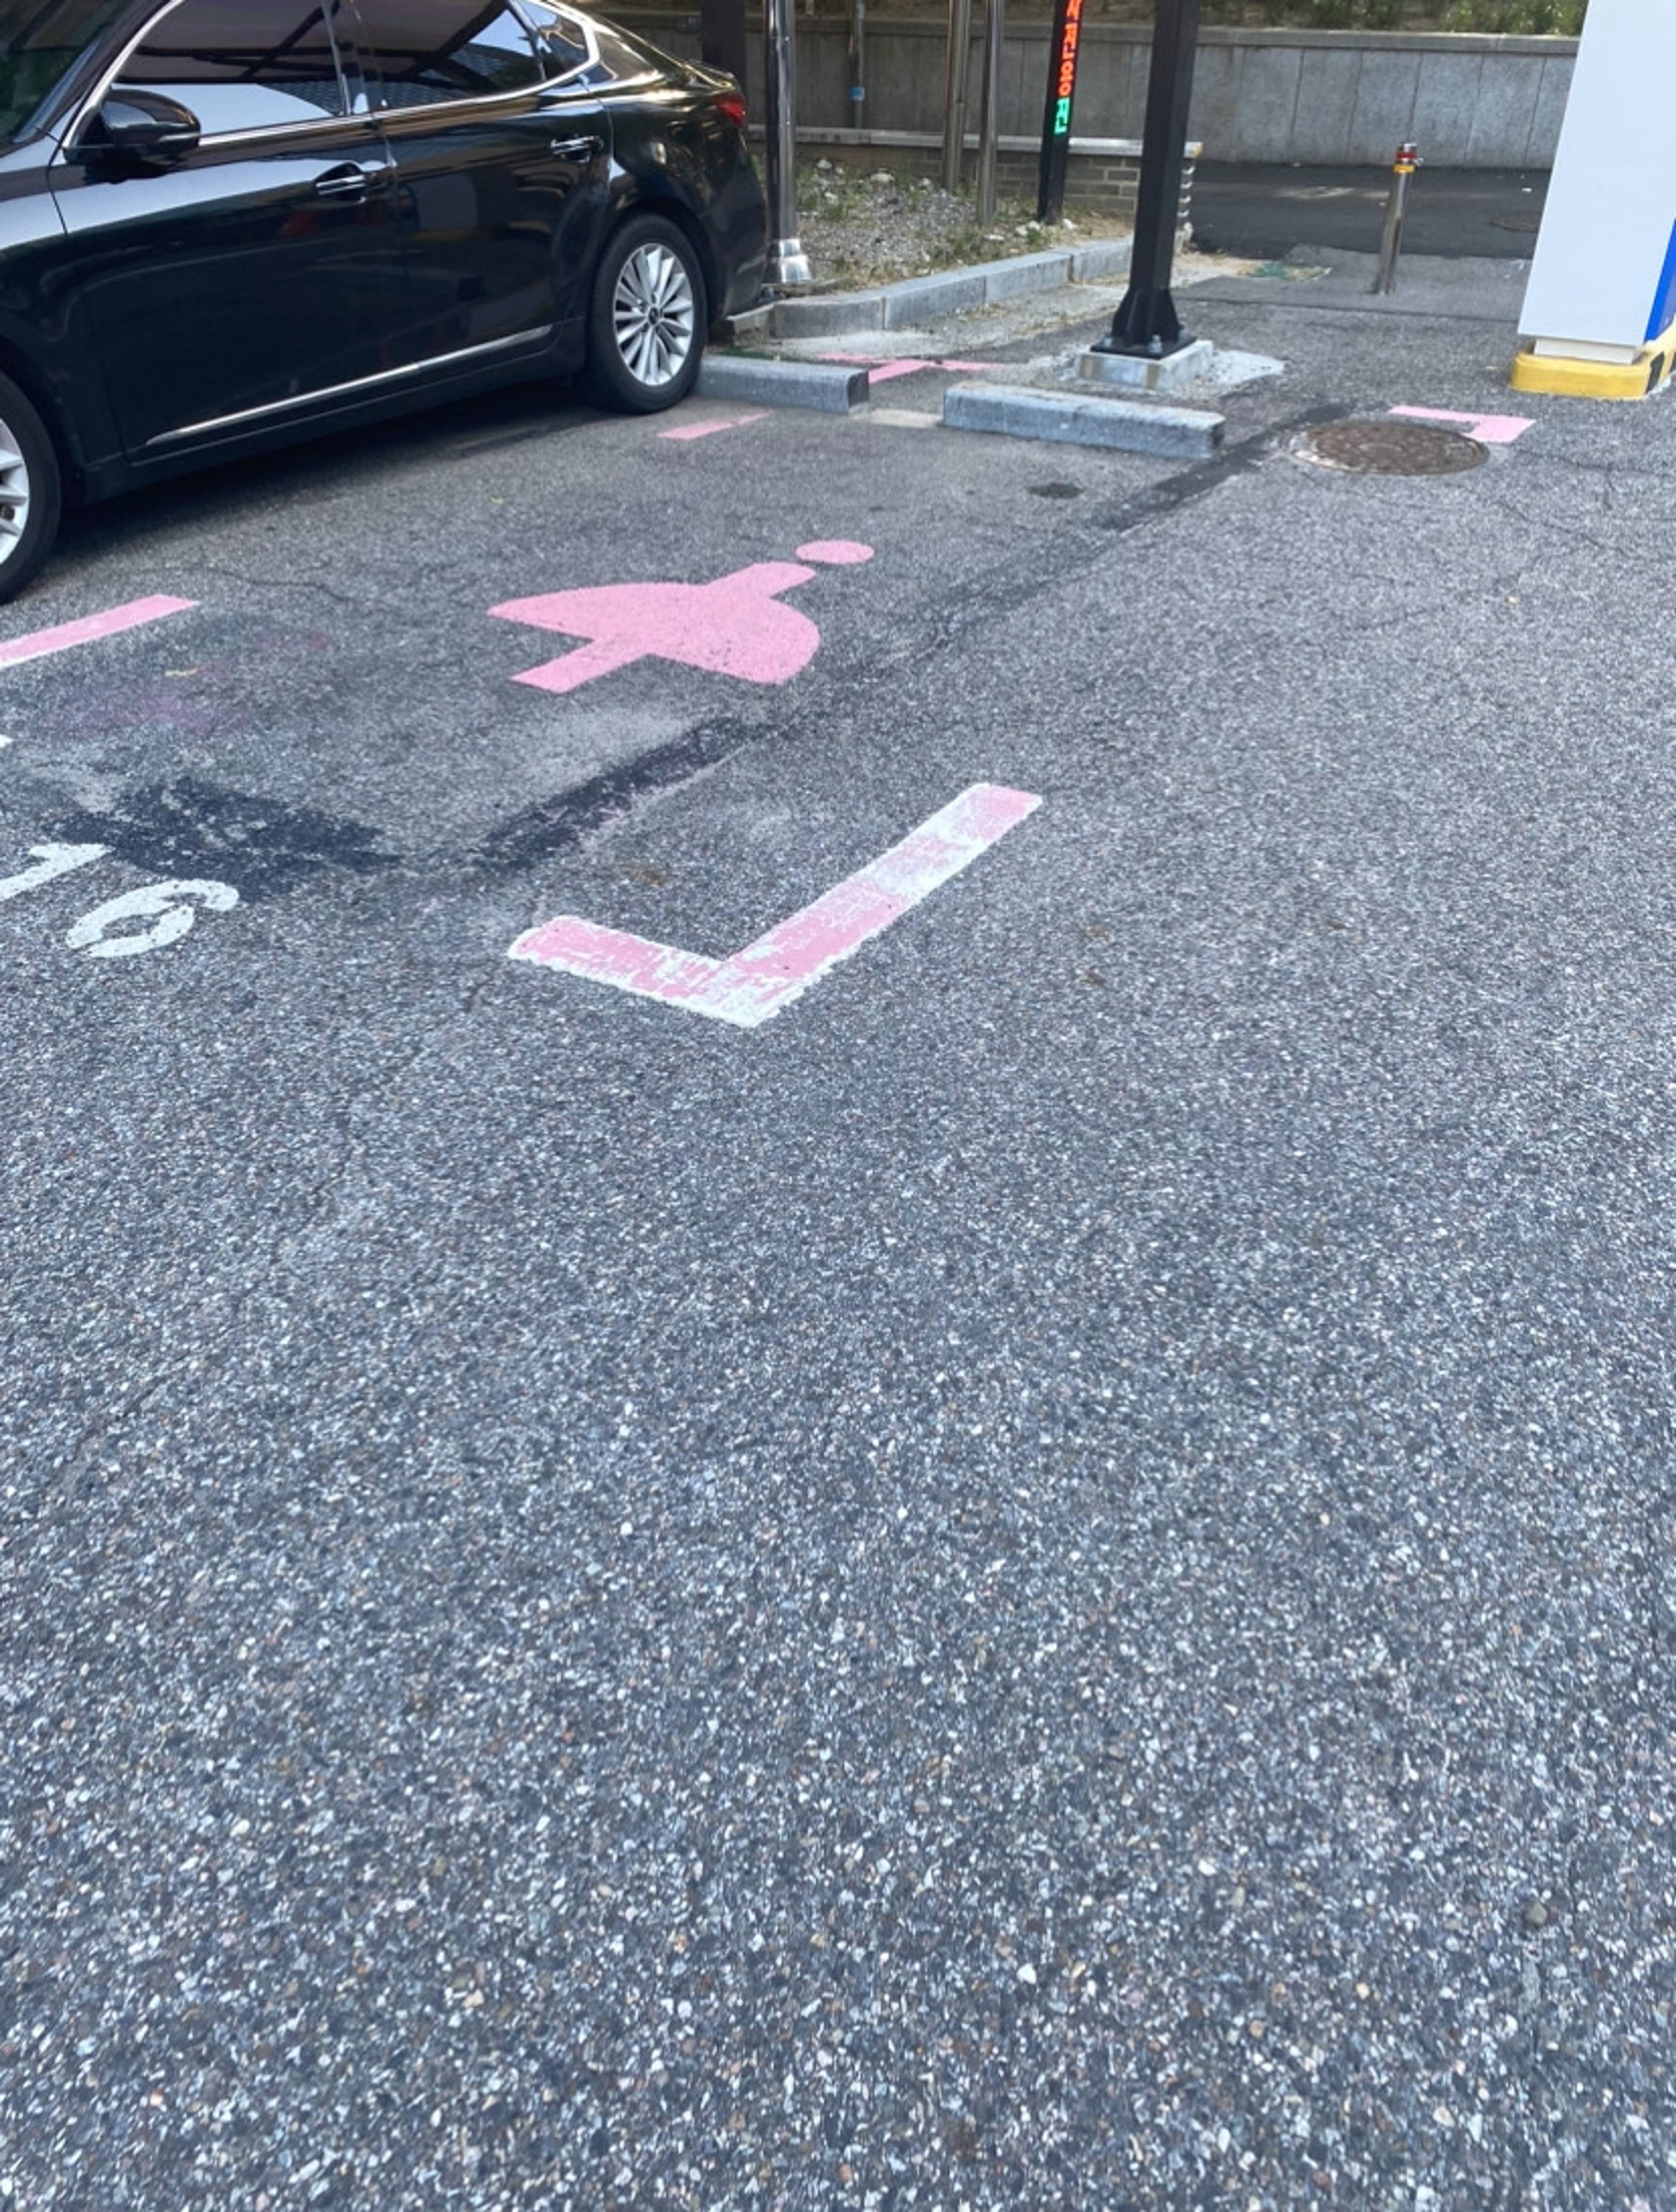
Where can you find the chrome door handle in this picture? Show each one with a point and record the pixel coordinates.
(353, 181)
(580, 149)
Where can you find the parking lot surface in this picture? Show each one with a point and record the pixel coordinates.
(1046, 1576)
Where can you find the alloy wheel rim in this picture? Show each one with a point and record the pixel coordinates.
(13, 492)
(654, 314)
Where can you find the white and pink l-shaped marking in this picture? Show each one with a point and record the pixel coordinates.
(756, 983)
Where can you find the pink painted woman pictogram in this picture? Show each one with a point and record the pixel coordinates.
(737, 626)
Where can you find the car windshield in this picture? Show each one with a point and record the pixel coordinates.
(36, 52)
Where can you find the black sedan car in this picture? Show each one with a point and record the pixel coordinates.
(227, 223)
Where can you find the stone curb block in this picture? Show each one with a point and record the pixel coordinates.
(829, 390)
(905, 306)
(1027, 272)
(1101, 257)
(749, 323)
(833, 317)
(1129, 426)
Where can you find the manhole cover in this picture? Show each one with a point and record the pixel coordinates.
(1518, 221)
(1391, 447)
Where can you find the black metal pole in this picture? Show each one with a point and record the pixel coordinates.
(1063, 49)
(1146, 321)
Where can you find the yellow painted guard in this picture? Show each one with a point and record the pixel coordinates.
(1596, 380)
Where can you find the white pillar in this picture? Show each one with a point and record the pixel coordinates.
(1602, 290)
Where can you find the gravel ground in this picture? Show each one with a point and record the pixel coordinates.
(862, 229)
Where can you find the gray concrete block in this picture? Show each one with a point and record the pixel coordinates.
(1384, 97)
(1129, 426)
(1102, 89)
(1216, 117)
(1134, 117)
(1268, 104)
(1552, 96)
(1443, 104)
(1101, 259)
(1136, 372)
(1506, 108)
(1026, 272)
(823, 387)
(1328, 79)
(831, 315)
(924, 298)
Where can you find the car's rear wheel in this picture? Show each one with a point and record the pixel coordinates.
(31, 490)
(647, 320)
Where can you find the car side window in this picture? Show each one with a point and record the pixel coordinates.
(562, 39)
(244, 64)
(420, 52)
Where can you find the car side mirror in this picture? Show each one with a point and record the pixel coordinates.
(143, 126)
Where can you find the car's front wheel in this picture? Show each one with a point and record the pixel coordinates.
(647, 319)
(31, 490)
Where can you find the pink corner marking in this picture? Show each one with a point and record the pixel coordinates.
(1487, 429)
(965, 368)
(767, 976)
(684, 432)
(736, 626)
(90, 628)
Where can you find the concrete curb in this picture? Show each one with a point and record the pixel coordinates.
(920, 300)
(827, 388)
(1129, 426)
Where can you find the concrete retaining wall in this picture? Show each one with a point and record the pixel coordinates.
(1319, 96)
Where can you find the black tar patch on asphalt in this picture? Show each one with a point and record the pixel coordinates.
(263, 847)
(569, 817)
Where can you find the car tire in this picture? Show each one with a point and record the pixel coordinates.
(31, 490)
(647, 319)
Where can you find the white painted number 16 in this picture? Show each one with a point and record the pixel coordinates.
(174, 904)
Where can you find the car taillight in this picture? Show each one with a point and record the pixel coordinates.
(732, 104)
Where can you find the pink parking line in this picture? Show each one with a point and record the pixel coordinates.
(684, 432)
(768, 974)
(1487, 429)
(881, 371)
(89, 629)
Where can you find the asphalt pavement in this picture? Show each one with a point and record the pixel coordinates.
(1048, 1580)
(1269, 209)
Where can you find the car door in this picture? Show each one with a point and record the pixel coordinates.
(235, 285)
(500, 169)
